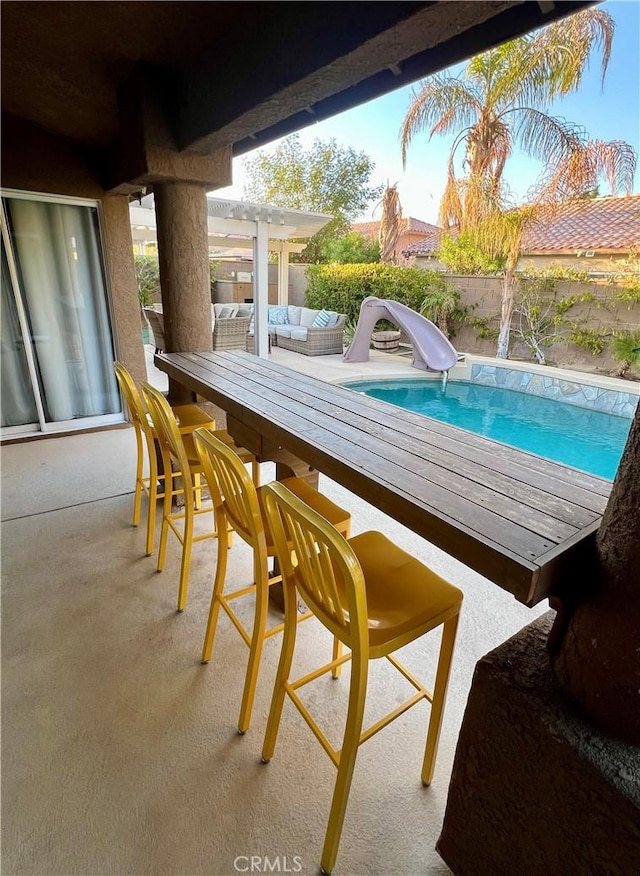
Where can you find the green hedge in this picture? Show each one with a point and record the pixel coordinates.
(343, 287)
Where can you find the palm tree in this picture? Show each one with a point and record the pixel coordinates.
(390, 224)
(498, 102)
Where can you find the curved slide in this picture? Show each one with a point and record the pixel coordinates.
(432, 350)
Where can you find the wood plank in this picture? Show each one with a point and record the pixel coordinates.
(528, 468)
(509, 515)
(570, 477)
(459, 473)
(545, 527)
(474, 512)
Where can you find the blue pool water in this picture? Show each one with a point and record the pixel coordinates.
(586, 439)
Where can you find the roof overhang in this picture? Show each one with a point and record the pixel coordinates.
(234, 74)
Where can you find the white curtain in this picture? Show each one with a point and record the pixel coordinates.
(18, 403)
(61, 279)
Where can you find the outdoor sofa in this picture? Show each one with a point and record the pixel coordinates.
(305, 330)
(301, 329)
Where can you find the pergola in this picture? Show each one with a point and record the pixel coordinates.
(262, 228)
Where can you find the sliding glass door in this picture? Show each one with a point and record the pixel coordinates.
(57, 347)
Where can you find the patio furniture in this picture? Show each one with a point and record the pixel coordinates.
(524, 522)
(374, 598)
(230, 333)
(239, 506)
(307, 331)
(387, 340)
(180, 449)
(155, 320)
(188, 418)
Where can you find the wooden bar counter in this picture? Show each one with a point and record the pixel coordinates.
(521, 521)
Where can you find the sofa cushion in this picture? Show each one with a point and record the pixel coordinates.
(294, 314)
(322, 319)
(283, 331)
(278, 314)
(298, 334)
(333, 318)
(307, 317)
(225, 311)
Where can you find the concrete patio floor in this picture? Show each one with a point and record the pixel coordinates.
(119, 748)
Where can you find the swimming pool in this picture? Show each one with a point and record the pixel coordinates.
(585, 439)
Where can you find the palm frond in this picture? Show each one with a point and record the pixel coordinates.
(583, 167)
(548, 138)
(451, 213)
(552, 62)
(445, 102)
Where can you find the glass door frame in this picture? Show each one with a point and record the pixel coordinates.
(42, 427)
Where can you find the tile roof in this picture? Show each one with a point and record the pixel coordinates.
(427, 245)
(598, 224)
(409, 224)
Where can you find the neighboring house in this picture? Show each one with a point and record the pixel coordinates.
(413, 231)
(593, 234)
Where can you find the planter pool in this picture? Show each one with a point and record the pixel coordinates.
(581, 437)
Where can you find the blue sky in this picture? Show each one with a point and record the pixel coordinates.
(612, 113)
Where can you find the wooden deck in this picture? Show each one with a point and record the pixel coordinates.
(521, 521)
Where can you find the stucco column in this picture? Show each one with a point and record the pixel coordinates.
(183, 256)
(598, 661)
(118, 254)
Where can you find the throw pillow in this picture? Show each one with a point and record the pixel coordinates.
(294, 314)
(278, 315)
(322, 319)
(231, 309)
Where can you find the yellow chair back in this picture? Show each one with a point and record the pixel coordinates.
(134, 402)
(326, 572)
(231, 488)
(172, 444)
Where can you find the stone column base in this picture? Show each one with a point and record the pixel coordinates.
(535, 789)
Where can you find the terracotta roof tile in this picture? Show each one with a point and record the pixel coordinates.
(598, 224)
(429, 244)
(371, 229)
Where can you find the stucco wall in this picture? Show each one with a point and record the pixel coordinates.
(601, 262)
(604, 315)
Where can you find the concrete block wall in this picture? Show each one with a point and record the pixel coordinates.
(604, 315)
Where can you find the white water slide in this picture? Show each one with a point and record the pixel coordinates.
(432, 350)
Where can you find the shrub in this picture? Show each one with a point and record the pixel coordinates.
(462, 255)
(148, 279)
(344, 287)
(625, 349)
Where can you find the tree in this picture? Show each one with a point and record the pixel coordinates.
(352, 249)
(500, 100)
(390, 224)
(327, 178)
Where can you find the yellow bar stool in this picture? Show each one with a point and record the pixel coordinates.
(375, 598)
(239, 507)
(180, 460)
(188, 417)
